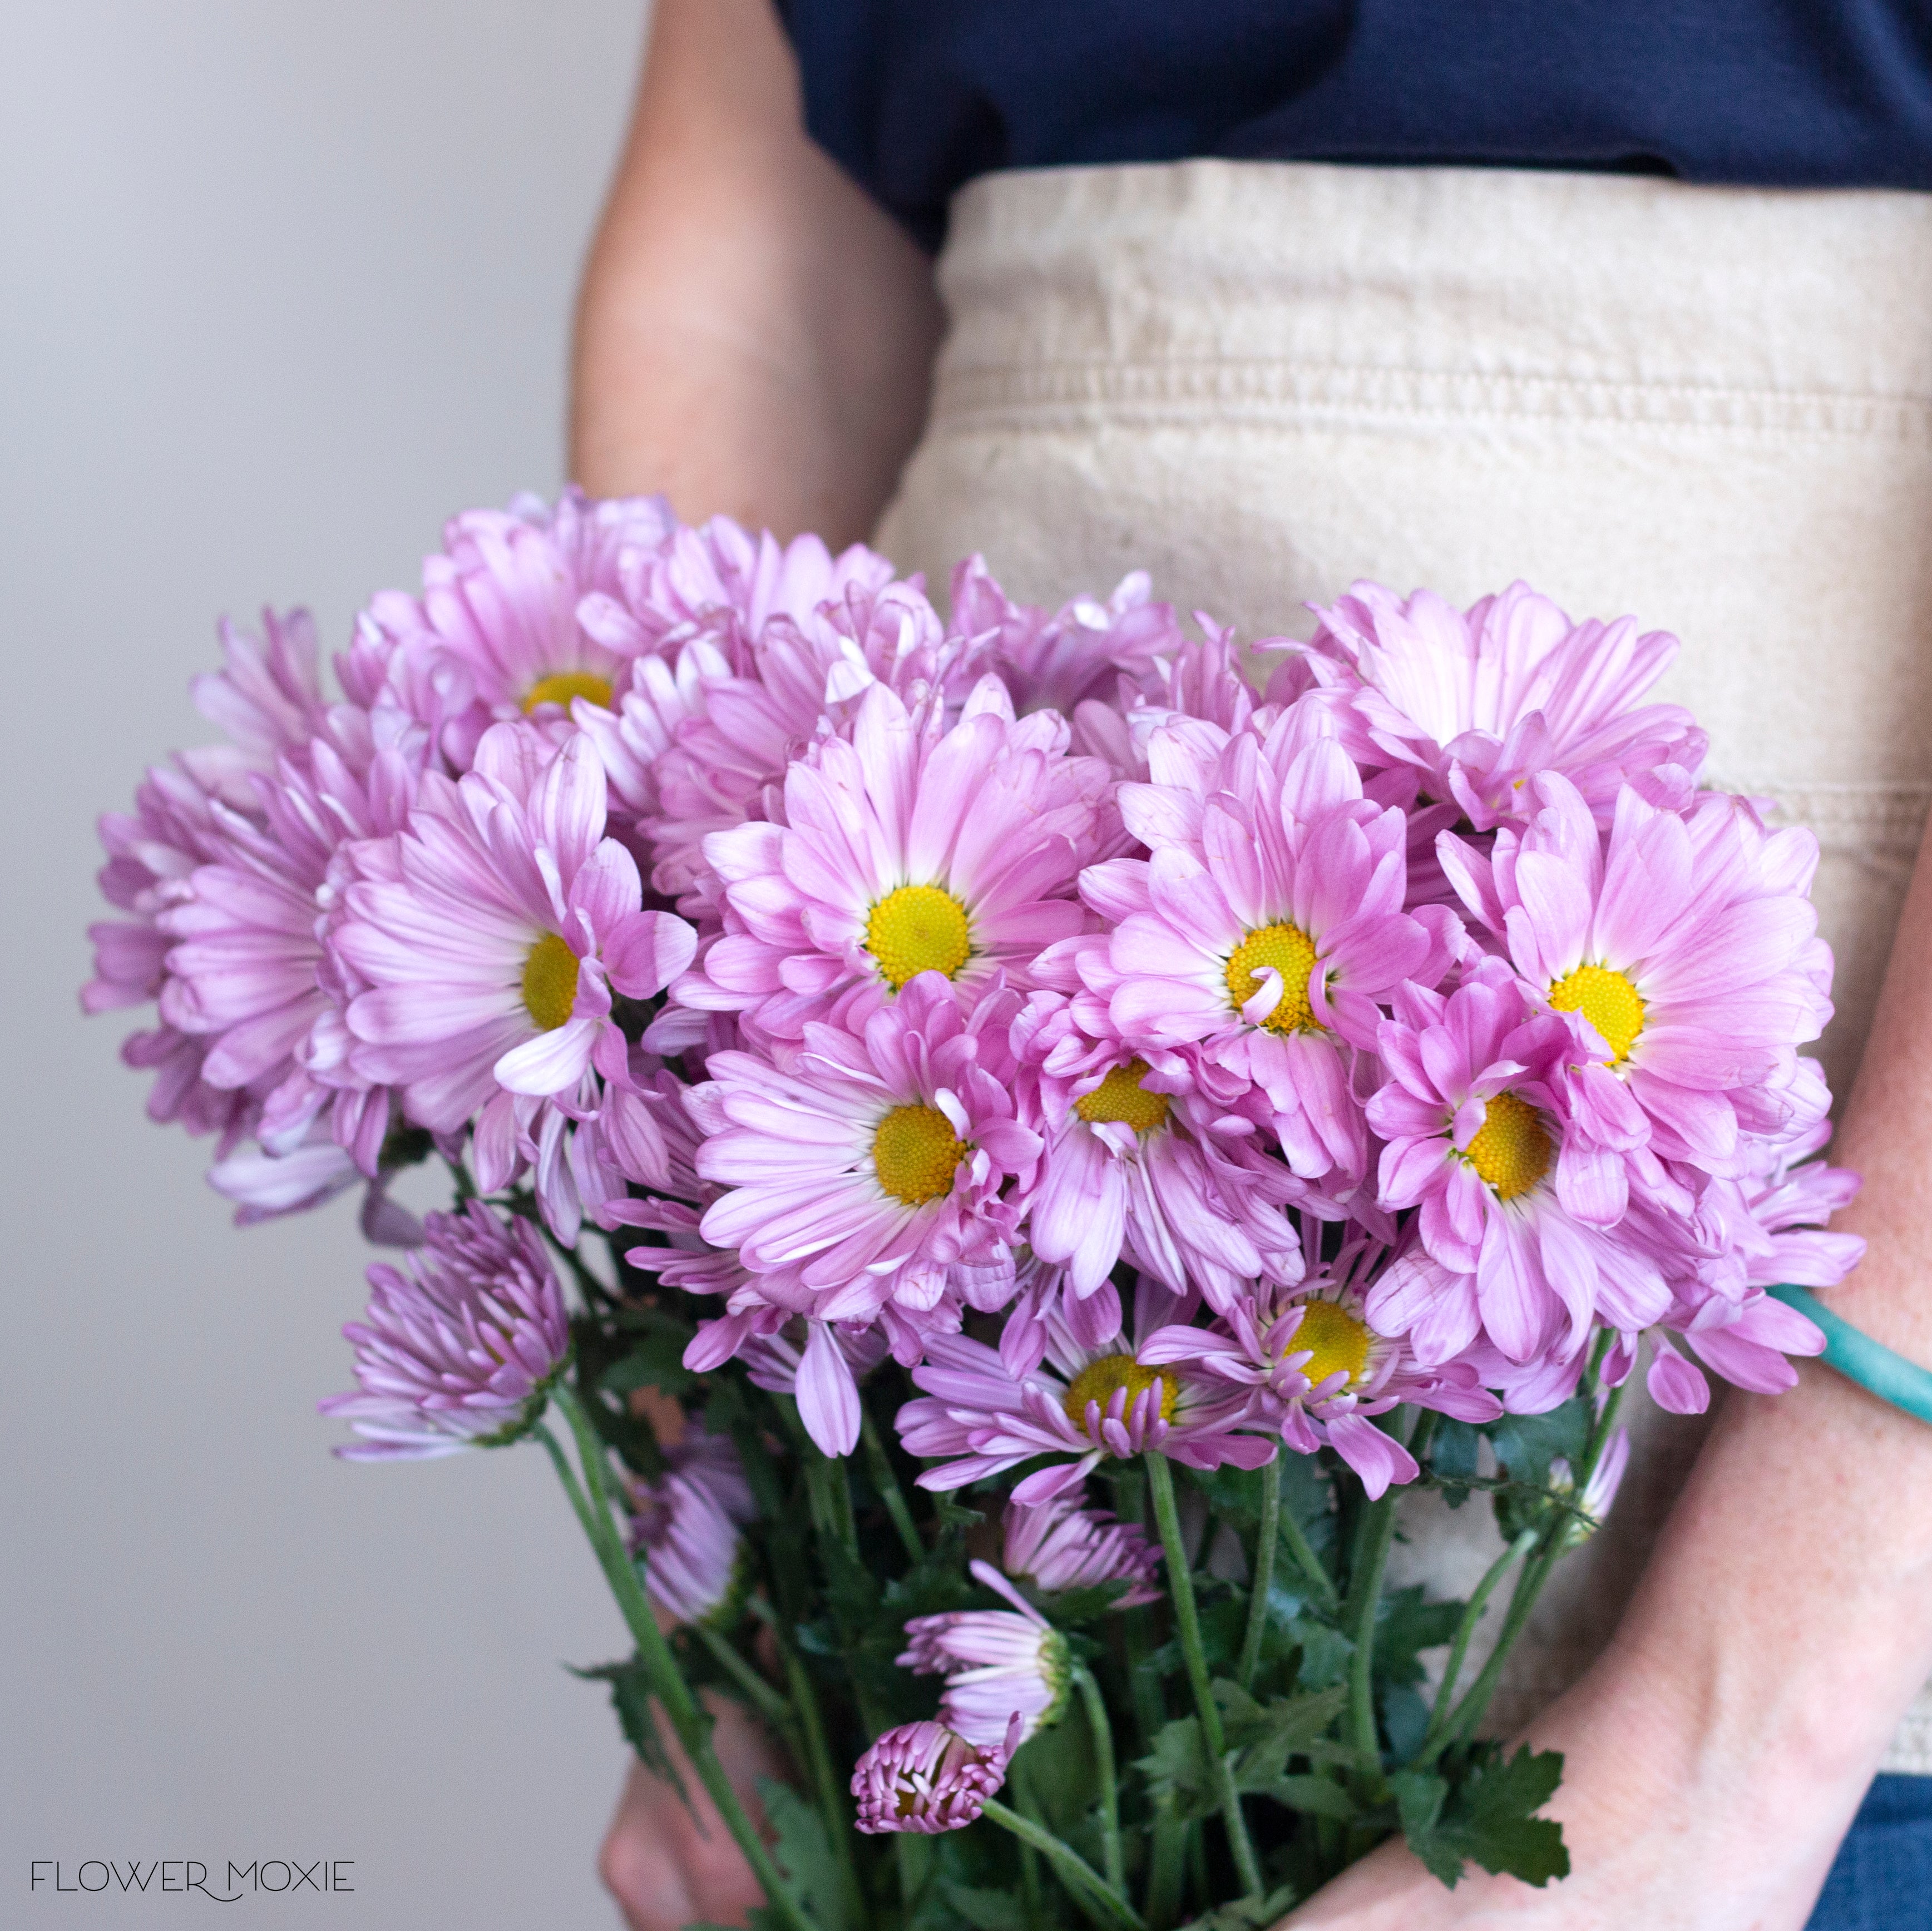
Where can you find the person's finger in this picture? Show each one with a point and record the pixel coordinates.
(637, 1861)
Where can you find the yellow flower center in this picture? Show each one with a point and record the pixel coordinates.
(1097, 1381)
(549, 982)
(560, 686)
(918, 928)
(914, 1152)
(1121, 1097)
(1291, 953)
(1608, 1000)
(1339, 1341)
(1511, 1151)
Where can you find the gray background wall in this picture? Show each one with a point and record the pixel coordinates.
(282, 283)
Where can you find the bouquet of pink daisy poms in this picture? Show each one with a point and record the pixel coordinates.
(990, 1150)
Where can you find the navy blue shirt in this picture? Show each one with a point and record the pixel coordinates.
(914, 97)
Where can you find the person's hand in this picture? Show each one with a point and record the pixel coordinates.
(1663, 1832)
(668, 1866)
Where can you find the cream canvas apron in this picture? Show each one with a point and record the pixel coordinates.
(1711, 407)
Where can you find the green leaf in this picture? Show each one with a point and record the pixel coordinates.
(1405, 1625)
(1264, 1736)
(1526, 1445)
(1179, 1774)
(1314, 1797)
(1224, 1622)
(1452, 1457)
(1483, 1813)
(1419, 1798)
(803, 1853)
(1325, 1652)
(1246, 1914)
(985, 1910)
(655, 1361)
(630, 1697)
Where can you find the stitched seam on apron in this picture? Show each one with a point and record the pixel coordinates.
(1028, 398)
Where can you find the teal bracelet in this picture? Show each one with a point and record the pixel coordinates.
(1859, 1358)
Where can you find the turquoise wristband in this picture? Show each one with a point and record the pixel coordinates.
(1859, 1358)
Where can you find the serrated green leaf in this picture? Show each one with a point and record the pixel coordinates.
(1405, 1625)
(803, 1853)
(1246, 1914)
(1419, 1795)
(1485, 1816)
(1325, 1652)
(1314, 1797)
(1453, 1456)
(1179, 1774)
(654, 1360)
(1526, 1444)
(1264, 1736)
(630, 1697)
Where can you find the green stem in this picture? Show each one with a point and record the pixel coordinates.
(687, 1718)
(1187, 1619)
(1028, 1804)
(887, 1483)
(759, 1694)
(1365, 1590)
(1309, 1563)
(831, 1493)
(1103, 1765)
(1263, 1580)
(831, 1794)
(1365, 1598)
(1459, 1649)
(1167, 1873)
(1550, 1544)
(1083, 1883)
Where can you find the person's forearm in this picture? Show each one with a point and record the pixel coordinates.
(754, 336)
(1786, 1617)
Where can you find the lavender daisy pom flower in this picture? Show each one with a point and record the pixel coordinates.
(687, 1548)
(1477, 703)
(923, 1777)
(1002, 1666)
(462, 1343)
(1060, 1545)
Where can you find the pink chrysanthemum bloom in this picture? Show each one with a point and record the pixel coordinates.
(1060, 1545)
(461, 1344)
(493, 944)
(1318, 1371)
(718, 578)
(1125, 1174)
(769, 651)
(152, 852)
(978, 1419)
(1743, 1237)
(1260, 933)
(498, 609)
(999, 1664)
(865, 1177)
(1478, 702)
(1684, 951)
(1475, 1139)
(903, 852)
(685, 1528)
(921, 1777)
(248, 973)
(268, 699)
(822, 1376)
(1057, 659)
